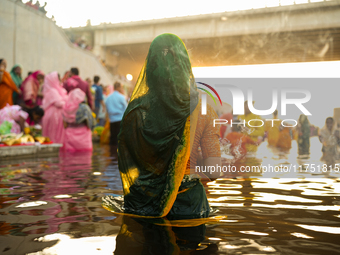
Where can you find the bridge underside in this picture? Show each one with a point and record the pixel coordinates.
(284, 47)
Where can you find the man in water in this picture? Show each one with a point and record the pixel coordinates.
(98, 98)
(116, 106)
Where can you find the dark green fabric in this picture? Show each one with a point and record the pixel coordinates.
(152, 128)
(304, 135)
(192, 203)
(140, 236)
(17, 80)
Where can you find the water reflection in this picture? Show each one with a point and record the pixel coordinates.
(52, 205)
(140, 236)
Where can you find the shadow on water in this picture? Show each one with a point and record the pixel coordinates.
(53, 206)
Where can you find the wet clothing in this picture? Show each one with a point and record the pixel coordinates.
(329, 142)
(303, 130)
(154, 142)
(54, 100)
(225, 128)
(76, 82)
(285, 138)
(277, 135)
(273, 131)
(114, 131)
(205, 141)
(253, 132)
(238, 143)
(78, 115)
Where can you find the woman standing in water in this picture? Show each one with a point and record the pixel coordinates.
(55, 97)
(303, 132)
(273, 130)
(329, 137)
(78, 121)
(155, 142)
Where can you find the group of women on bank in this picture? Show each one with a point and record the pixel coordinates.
(15, 90)
(65, 119)
(20, 96)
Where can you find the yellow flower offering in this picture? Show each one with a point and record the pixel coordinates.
(27, 130)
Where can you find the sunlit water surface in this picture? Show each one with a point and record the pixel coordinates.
(53, 206)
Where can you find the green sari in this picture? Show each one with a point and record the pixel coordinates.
(304, 135)
(17, 80)
(154, 138)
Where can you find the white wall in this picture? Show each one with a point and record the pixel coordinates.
(29, 38)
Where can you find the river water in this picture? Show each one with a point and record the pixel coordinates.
(53, 206)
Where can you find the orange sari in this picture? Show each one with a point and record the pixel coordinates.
(7, 87)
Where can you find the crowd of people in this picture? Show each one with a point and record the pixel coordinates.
(53, 102)
(245, 139)
(156, 149)
(81, 43)
(66, 110)
(37, 6)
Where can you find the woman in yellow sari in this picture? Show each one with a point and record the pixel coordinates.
(155, 142)
(273, 130)
(278, 135)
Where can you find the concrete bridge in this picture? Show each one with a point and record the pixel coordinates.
(283, 34)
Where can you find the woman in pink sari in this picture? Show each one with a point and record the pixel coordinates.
(32, 89)
(78, 121)
(55, 97)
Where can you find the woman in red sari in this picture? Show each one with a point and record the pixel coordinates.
(32, 89)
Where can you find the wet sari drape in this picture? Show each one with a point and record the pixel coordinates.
(329, 141)
(53, 102)
(303, 129)
(78, 115)
(153, 146)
